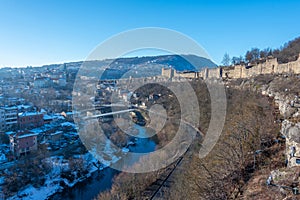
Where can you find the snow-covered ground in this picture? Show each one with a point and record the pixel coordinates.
(106, 154)
(68, 124)
(53, 179)
(59, 165)
(38, 193)
(2, 158)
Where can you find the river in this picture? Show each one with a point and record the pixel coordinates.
(102, 180)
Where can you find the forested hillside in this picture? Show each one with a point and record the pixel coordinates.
(286, 53)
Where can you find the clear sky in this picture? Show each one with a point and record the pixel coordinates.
(37, 32)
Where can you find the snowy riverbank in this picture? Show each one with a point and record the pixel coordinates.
(54, 180)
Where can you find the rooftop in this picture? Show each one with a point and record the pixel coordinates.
(29, 114)
(27, 135)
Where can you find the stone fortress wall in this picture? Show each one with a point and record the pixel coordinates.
(171, 73)
(270, 66)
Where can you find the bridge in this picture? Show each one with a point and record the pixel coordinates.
(111, 105)
(131, 110)
(103, 106)
(108, 114)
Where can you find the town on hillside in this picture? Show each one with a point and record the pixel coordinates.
(42, 154)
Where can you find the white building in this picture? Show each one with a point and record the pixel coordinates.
(41, 82)
(62, 82)
(11, 116)
(2, 120)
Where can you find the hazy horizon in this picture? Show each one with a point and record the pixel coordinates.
(126, 56)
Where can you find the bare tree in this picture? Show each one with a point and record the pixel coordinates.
(226, 59)
(252, 55)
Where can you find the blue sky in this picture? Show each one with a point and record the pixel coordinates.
(35, 32)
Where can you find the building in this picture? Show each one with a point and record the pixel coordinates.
(13, 101)
(2, 120)
(23, 143)
(41, 82)
(25, 108)
(60, 105)
(61, 82)
(11, 117)
(28, 120)
(55, 138)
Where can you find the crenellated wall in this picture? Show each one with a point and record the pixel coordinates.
(171, 73)
(167, 72)
(189, 75)
(270, 66)
(214, 73)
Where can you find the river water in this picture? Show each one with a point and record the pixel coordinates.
(102, 180)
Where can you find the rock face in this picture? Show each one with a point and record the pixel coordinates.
(291, 131)
(285, 92)
(288, 108)
(285, 102)
(285, 109)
